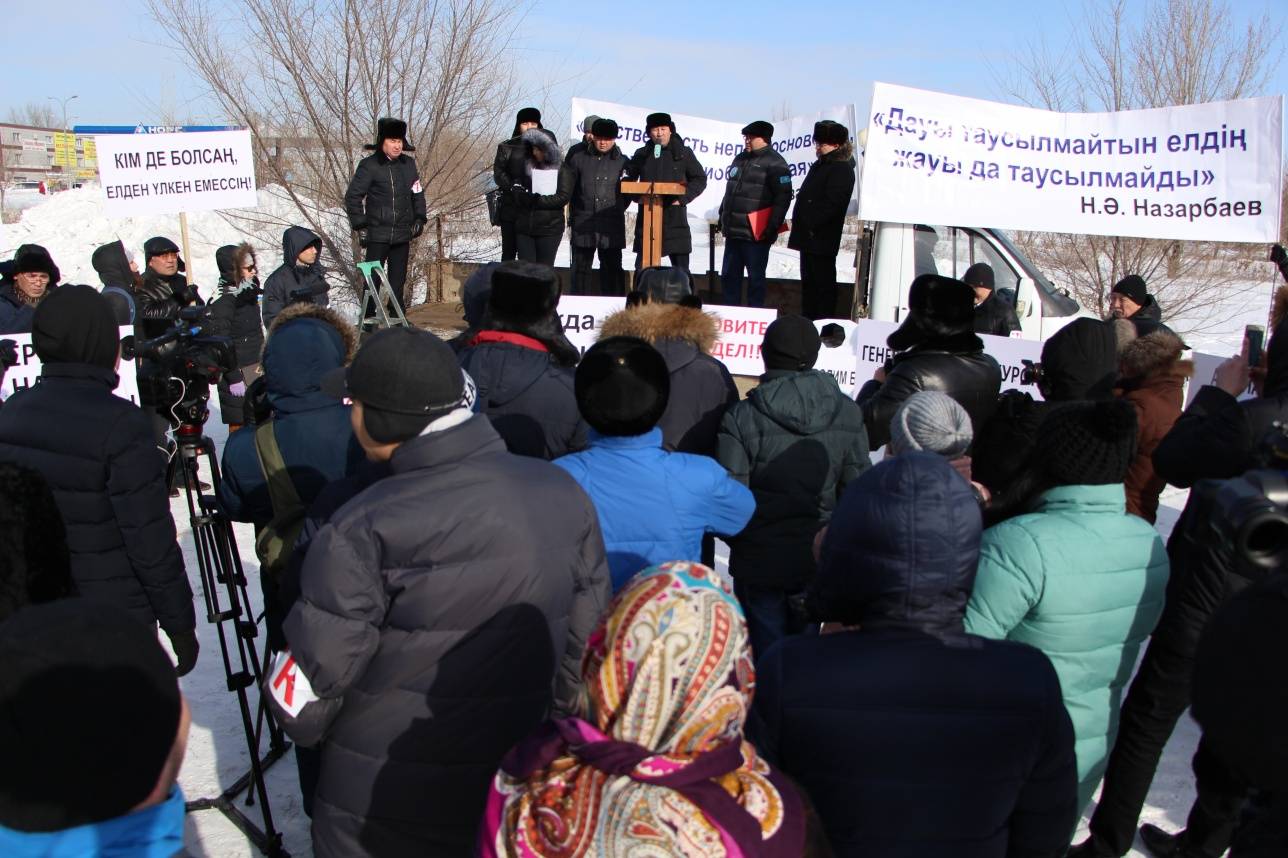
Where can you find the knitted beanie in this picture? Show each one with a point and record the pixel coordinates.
(1087, 443)
(931, 421)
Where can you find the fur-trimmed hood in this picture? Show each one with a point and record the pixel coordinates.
(540, 138)
(305, 343)
(1154, 355)
(654, 322)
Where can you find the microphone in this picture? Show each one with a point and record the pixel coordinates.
(657, 150)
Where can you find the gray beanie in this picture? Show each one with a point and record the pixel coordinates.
(931, 421)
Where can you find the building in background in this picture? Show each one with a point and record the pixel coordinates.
(32, 157)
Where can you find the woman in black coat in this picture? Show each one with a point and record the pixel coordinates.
(385, 202)
(235, 314)
(819, 216)
(539, 218)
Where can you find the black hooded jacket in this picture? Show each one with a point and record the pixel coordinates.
(385, 199)
(1080, 361)
(756, 180)
(824, 197)
(112, 264)
(235, 313)
(290, 277)
(675, 163)
(912, 737)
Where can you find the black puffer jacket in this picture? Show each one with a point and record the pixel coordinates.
(701, 387)
(592, 181)
(796, 441)
(539, 214)
(448, 636)
(235, 313)
(676, 163)
(385, 199)
(819, 214)
(97, 452)
(995, 316)
(291, 277)
(526, 394)
(955, 365)
(1080, 361)
(756, 180)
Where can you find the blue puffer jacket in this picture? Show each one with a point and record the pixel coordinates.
(312, 429)
(912, 737)
(654, 506)
(1083, 581)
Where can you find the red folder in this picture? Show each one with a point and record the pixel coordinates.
(759, 219)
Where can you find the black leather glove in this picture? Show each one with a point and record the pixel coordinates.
(362, 238)
(417, 228)
(185, 650)
(8, 354)
(358, 224)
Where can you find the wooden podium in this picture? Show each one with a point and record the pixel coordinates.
(651, 209)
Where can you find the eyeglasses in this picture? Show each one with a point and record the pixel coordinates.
(249, 268)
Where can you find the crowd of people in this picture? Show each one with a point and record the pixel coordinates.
(492, 560)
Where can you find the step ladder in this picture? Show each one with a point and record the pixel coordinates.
(380, 308)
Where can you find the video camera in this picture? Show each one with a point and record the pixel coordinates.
(178, 367)
(1250, 513)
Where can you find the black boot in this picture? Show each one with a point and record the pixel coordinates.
(1160, 844)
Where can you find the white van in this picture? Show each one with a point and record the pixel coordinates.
(891, 255)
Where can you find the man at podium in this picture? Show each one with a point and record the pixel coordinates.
(666, 159)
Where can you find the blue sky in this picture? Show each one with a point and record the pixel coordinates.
(736, 61)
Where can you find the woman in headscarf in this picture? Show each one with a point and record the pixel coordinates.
(660, 762)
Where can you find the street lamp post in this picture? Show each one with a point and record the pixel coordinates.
(64, 102)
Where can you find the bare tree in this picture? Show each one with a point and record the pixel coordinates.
(38, 113)
(1178, 52)
(309, 78)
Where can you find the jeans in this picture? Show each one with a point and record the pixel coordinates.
(752, 255)
(394, 258)
(769, 615)
(611, 279)
(818, 285)
(537, 248)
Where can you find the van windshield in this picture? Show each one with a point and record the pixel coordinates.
(1054, 302)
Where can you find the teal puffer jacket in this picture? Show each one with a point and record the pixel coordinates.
(1083, 581)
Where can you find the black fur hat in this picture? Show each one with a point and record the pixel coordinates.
(527, 114)
(937, 307)
(523, 299)
(604, 128)
(388, 128)
(622, 386)
(653, 120)
(759, 128)
(831, 133)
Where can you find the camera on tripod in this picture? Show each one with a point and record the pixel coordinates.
(179, 366)
(1250, 513)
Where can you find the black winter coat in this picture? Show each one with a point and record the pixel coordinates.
(995, 316)
(955, 365)
(447, 606)
(592, 182)
(1217, 436)
(528, 397)
(235, 313)
(16, 315)
(291, 277)
(159, 300)
(508, 170)
(113, 268)
(385, 199)
(819, 215)
(796, 441)
(539, 214)
(701, 387)
(97, 452)
(677, 163)
(756, 180)
(913, 738)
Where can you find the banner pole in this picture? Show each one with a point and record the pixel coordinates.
(183, 238)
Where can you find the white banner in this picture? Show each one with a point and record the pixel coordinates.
(742, 329)
(1206, 172)
(715, 142)
(26, 373)
(148, 174)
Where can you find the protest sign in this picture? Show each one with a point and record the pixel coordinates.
(148, 174)
(1204, 172)
(715, 142)
(27, 371)
(1204, 373)
(741, 329)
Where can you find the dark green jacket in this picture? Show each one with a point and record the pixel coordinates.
(796, 441)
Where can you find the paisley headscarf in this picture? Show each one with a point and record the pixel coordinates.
(659, 766)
